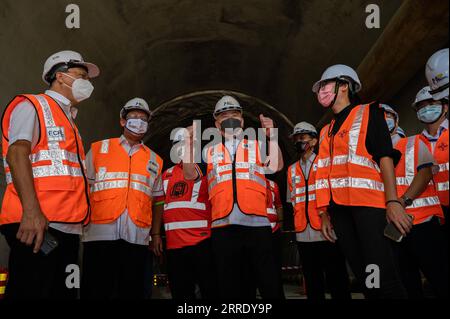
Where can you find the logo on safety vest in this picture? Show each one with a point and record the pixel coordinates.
(342, 133)
(178, 190)
(56, 134)
(442, 146)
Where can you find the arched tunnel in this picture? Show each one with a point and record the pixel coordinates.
(183, 55)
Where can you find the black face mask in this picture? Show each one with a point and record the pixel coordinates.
(231, 123)
(302, 146)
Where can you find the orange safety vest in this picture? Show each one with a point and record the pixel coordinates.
(187, 210)
(57, 163)
(246, 173)
(303, 196)
(440, 154)
(123, 182)
(427, 204)
(272, 194)
(346, 167)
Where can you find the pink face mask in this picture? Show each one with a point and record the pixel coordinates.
(326, 95)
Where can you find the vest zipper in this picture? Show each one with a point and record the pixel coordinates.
(307, 192)
(307, 201)
(129, 180)
(233, 175)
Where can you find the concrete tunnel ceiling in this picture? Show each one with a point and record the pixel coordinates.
(184, 109)
(271, 51)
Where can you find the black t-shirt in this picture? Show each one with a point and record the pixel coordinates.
(378, 138)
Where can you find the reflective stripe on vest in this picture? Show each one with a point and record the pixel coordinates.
(250, 165)
(353, 182)
(120, 179)
(186, 225)
(295, 199)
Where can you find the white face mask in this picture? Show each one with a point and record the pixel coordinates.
(81, 88)
(430, 114)
(137, 126)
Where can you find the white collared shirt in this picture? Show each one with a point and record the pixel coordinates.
(433, 139)
(123, 227)
(24, 125)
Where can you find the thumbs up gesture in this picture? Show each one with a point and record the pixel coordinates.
(266, 123)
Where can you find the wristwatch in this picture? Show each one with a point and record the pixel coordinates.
(408, 201)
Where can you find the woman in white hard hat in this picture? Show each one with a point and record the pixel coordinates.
(355, 181)
(425, 248)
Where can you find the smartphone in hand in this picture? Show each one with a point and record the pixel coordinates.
(391, 231)
(49, 243)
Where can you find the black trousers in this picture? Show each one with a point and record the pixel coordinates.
(447, 220)
(236, 249)
(114, 269)
(37, 276)
(278, 259)
(323, 262)
(277, 243)
(190, 266)
(425, 249)
(360, 232)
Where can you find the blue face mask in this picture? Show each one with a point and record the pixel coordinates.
(390, 124)
(430, 114)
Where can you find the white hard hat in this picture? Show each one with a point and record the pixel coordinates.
(135, 104)
(436, 72)
(226, 103)
(422, 95)
(389, 109)
(304, 128)
(68, 58)
(341, 72)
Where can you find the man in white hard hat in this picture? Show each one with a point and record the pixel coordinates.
(434, 115)
(125, 178)
(425, 248)
(436, 72)
(241, 234)
(355, 180)
(321, 260)
(46, 199)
